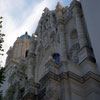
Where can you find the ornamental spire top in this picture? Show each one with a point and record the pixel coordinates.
(59, 6)
(46, 9)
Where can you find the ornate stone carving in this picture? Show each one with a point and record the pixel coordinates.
(52, 94)
(73, 54)
(47, 62)
(10, 55)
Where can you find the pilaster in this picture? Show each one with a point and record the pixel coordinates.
(85, 52)
(81, 34)
(61, 32)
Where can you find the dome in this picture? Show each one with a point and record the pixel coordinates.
(24, 36)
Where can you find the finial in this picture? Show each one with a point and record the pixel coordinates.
(46, 9)
(73, 2)
(59, 5)
(26, 33)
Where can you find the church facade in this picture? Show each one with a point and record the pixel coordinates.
(56, 62)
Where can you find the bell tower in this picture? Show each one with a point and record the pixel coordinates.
(20, 49)
(15, 68)
(21, 46)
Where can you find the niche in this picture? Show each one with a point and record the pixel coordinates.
(74, 46)
(56, 57)
(26, 54)
(74, 37)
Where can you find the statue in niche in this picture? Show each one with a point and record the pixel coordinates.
(52, 20)
(49, 22)
(39, 46)
(74, 46)
(46, 40)
(52, 93)
(39, 29)
(54, 39)
(40, 50)
(42, 27)
(74, 56)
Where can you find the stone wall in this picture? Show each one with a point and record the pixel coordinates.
(60, 64)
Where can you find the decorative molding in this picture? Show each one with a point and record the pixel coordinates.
(50, 75)
(67, 75)
(91, 75)
(85, 53)
(30, 93)
(70, 75)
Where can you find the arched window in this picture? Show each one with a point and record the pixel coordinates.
(56, 57)
(74, 46)
(74, 37)
(26, 54)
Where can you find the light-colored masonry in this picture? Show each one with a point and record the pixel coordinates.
(56, 63)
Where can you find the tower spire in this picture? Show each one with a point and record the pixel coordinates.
(59, 6)
(46, 9)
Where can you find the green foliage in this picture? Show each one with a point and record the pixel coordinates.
(1, 50)
(1, 37)
(2, 77)
(1, 96)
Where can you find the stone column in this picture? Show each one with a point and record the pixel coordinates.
(80, 30)
(31, 85)
(31, 60)
(30, 69)
(85, 53)
(61, 32)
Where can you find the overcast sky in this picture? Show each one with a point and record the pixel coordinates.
(20, 16)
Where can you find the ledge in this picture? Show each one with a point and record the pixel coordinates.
(70, 75)
(49, 75)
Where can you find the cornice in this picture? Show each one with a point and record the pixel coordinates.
(91, 75)
(70, 75)
(50, 75)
